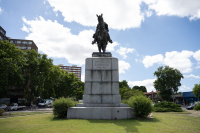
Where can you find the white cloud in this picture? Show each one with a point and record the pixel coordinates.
(83, 77)
(181, 8)
(136, 60)
(24, 28)
(150, 60)
(55, 40)
(123, 51)
(111, 46)
(1, 10)
(184, 88)
(148, 83)
(118, 14)
(123, 14)
(123, 66)
(191, 76)
(177, 60)
(197, 55)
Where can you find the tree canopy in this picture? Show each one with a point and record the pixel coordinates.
(167, 82)
(141, 88)
(196, 90)
(11, 66)
(126, 92)
(123, 83)
(35, 73)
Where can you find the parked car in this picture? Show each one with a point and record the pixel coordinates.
(45, 103)
(3, 106)
(14, 106)
(192, 106)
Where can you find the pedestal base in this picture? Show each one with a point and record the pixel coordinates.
(105, 113)
(100, 105)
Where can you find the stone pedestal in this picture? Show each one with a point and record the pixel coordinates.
(101, 99)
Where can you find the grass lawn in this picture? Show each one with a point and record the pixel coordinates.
(161, 123)
(22, 114)
(184, 112)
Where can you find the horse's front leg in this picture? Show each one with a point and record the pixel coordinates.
(99, 47)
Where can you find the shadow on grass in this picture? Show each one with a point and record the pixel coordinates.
(130, 125)
(59, 119)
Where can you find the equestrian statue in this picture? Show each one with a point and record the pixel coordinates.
(101, 36)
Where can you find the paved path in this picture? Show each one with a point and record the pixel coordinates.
(28, 109)
(193, 113)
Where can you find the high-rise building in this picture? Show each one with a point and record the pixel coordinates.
(24, 44)
(20, 43)
(72, 69)
(3, 34)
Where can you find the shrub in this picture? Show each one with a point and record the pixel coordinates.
(1, 112)
(124, 101)
(141, 105)
(61, 105)
(197, 107)
(167, 107)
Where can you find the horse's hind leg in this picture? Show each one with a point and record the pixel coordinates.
(104, 48)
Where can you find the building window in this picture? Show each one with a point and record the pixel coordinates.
(18, 42)
(1, 38)
(15, 42)
(29, 42)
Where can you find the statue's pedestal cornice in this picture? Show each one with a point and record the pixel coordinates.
(97, 54)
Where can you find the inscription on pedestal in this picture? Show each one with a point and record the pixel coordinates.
(101, 64)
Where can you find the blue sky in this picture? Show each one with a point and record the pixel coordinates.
(146, 34)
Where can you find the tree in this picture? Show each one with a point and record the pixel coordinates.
(167, 82)
(196, 90)
(123, 83)
(123, 92)
(36, 73)
(141, 88)
(11, 63)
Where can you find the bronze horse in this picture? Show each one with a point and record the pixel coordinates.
(101, 36)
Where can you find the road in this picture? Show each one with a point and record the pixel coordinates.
(28, 109)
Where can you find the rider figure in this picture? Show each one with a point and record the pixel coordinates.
(105, 26)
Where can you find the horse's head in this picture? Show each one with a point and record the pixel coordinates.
(100, 18)
(101, 22)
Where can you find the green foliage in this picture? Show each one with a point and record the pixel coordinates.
(196, 90)
(197, 107)
(1, 112)
(126, 93)
(141, 105)
(123, 92)
(167, 107)
(124, 101)
(35, 73)
(79, 91)
(61, 105)
(123, 83)
(167, 82)
(11, 64)
(141, 88)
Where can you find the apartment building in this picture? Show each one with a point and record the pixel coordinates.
(3, 34)
(72, 69)
(24, 44)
